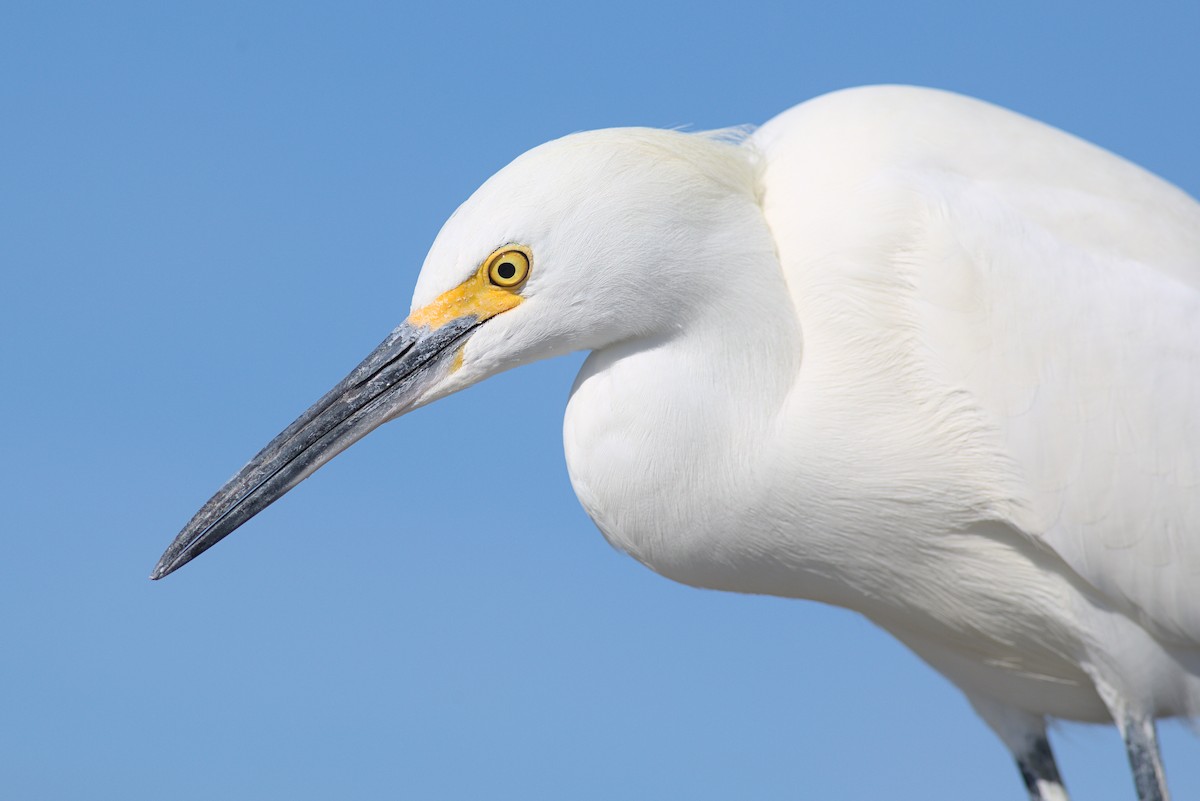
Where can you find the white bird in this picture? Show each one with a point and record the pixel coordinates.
(896, 350)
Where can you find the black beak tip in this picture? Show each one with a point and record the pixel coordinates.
(168, 563)
(160, 570)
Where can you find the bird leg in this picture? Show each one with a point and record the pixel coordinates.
(1025, 735)
(1141, 743)
(1040, 771)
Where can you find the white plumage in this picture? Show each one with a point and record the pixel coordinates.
(896, 350)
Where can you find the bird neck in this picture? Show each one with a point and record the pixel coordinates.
(665, 436)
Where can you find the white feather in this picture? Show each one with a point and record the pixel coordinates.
(897, 350)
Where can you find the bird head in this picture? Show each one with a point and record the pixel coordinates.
(590, 240)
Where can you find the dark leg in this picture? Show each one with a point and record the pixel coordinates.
(1040, 772)
(1025, 735)
(1141, 743)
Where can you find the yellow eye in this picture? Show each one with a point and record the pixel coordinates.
(508, 267)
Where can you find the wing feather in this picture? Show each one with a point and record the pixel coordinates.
(1055, 283)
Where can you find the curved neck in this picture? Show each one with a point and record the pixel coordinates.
(664, 436)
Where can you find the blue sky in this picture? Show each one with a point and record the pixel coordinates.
(208, 214)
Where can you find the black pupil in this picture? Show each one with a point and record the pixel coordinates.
(506, 270)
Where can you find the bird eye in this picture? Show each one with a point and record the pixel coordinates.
(508, 267)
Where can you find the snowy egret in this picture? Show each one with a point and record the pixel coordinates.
(897, 350)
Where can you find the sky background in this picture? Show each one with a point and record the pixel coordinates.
(210, 212)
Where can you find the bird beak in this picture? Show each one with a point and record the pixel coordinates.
(391, 381)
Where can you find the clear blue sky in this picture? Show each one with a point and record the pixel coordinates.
(209, 212)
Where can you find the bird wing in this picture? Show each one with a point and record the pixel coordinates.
(1055, 284)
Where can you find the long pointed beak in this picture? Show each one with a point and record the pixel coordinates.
(388, 383)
